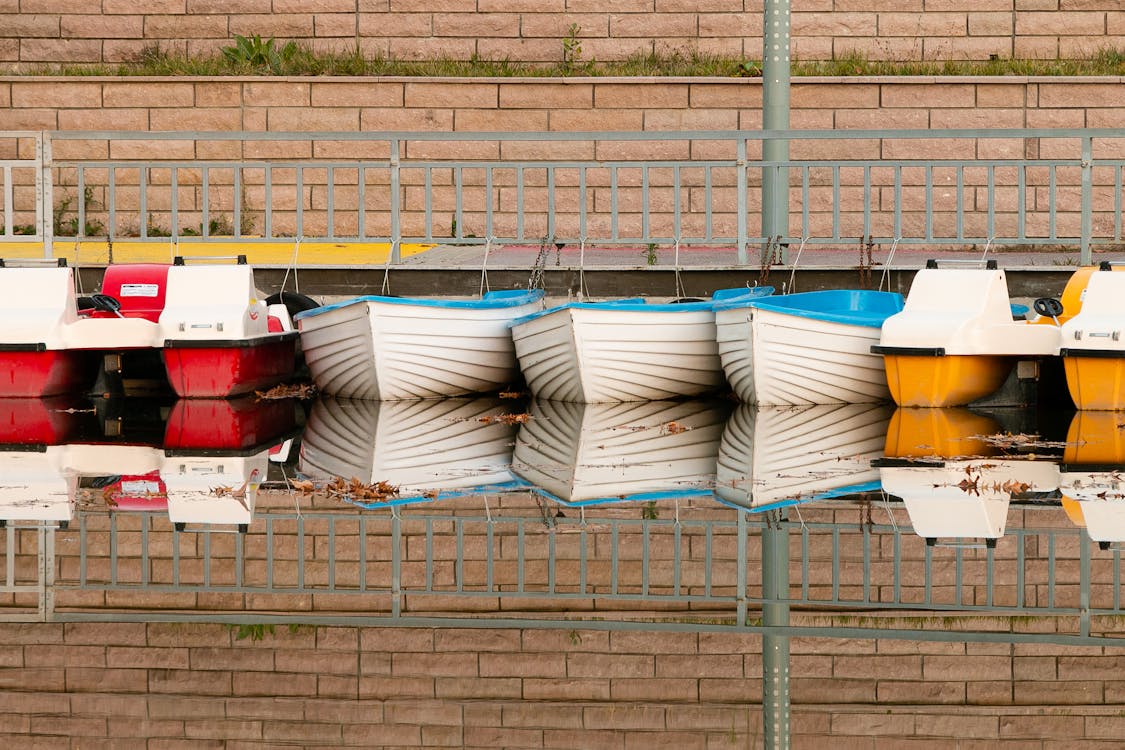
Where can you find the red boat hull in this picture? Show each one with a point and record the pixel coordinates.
(35, 374)
(220, 369)
(227, 424)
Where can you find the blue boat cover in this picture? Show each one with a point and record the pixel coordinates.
(721, 297)
(858, 307)
(490, 301)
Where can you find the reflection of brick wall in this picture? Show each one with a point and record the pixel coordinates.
(181, 686)
(64, 31)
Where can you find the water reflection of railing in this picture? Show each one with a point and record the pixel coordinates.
(524, 559)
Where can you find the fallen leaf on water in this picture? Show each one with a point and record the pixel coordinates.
(302, 485)
(505, 418)
(302, 391)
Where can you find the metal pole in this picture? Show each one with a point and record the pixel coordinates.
(775, 648)
(775, 116)
(1087, 199)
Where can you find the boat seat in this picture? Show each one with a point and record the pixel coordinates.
(140, 288)
(37, 304)
(212, 302)
(965, 312)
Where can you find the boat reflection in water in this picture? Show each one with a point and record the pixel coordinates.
(775, 456)
(953, 481)
(1092, 476)
(587, 454)
(198, 459)
(427, 449)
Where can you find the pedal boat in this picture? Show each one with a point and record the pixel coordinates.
(806, 348)
(624, 350)
(398, 348)
(214, 333)
(953, 484)
(955, 340)
(1093, 344)
(1092, 476)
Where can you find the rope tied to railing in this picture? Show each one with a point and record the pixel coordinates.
(987, 246)
(293, 267)
(484, 267)
(887, 265)
(391, 252)
(680, 292)
(793, 268)
(582, 290)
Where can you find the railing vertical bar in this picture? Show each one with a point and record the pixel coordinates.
(551, 203)
(519, 555)
(80, 230)
(146, 520)
(332, 554)
(490, 562)
(239, 559)
(583, 540)
(330, 202)
(551, 562)
(957, 576)
(929, 189)
(613, 557)
(267, 209)
(459, 565)
(205, 203)
(396, 564)
(1116, 580)
(519, 203)
(804, 563)
(1052, 201)
(174, 204)
(361, 201)
(990, 573)
(301, 553)
(645, 551)
(458, 202)
(111, 209)
(362, 554)
(613, 197)
(429, 188)
(1087, 217)
(806, 177)
(707, 559)
(676, 202)
(866, 563)
(10, 557)
(1020, 540)
(488, 203)
(1117, 203)
(835, 563)
(82, 549)
(929, 574)
(836, 202)
(1021, 201)
(867, 200)
(960, 201)
(709, 210)
(991, 198)
(142, 201)
(9, 220)
(742, 207)
(113, 548)
(898, 202)
(269, 553)
(582, 228)
(176, 536)
(237, 197)
(206, 559)
(300, 188)
(897, 554)
(1050, 570)
(742, 577)
(429, 554)
(396, 200)
(677, 559)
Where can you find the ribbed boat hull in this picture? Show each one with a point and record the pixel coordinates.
(418, 446)
(384, 351)
(604, 356)
(775, 359)
(589, 453)
(774, 454)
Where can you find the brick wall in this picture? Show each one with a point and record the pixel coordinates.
(199, 686)
(71, 31)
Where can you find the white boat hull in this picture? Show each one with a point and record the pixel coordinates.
(421, 447)
(787, 360)
(609, 355)
(394, 351)
(774, 455)
(584, 454)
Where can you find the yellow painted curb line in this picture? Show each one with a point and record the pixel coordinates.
(257, 253)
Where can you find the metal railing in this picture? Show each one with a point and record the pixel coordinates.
(937, 188)
(401, 567)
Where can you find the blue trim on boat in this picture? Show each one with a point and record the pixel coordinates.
(851, 489)
(737, 295)
(490, 301)
(639, 497)
(514, 485)
(858, 307)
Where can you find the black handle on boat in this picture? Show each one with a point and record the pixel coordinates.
(1107, 265)
(179, 260)
(106, 303)
(1048, 307)
(989, 264)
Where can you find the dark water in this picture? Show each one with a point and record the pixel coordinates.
(857, 523)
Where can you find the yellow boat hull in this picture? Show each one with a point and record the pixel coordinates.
(944, 380)
(1096, 382)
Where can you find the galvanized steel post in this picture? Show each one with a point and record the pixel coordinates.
(46, 184)
(775, 648)
(775, 116)
(1087, 199)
